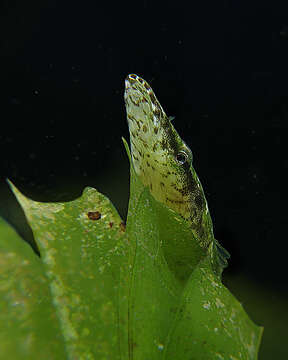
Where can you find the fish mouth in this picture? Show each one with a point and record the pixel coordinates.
(133, 79)
(149, 126)
(138, 93)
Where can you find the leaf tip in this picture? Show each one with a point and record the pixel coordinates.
(24, 201)
(15, 191)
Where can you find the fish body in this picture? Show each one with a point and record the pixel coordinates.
(163, 161)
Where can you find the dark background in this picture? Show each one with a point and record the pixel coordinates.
(220, 67)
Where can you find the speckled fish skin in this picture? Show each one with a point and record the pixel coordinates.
(163, 161)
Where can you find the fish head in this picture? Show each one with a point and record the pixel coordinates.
(160, 157)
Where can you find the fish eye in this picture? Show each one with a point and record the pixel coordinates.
(182, 157)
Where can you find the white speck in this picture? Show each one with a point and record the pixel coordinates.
(155, 120)
(219, 303)
(206, 306)
(160, 347)
(214, 284)
(219, 356)
(15, 303)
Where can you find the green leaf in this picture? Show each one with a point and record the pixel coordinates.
(154, 290)
(29, 326)
(102, 292)
(84, 253)
(172, 318)
(211, 323)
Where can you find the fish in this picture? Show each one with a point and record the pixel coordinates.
(164, 163)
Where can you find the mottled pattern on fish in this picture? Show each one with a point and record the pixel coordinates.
(163, 161)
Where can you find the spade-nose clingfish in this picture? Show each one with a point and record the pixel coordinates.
(164, 163)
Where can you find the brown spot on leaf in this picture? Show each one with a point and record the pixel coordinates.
(94, 215)
(111, 224)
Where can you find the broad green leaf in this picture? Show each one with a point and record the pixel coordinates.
(102, 292)
(198, 318)
(154, 290)
(85, 257)
(211, 323)
(29, 325)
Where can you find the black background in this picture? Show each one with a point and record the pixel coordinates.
(220, 67)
